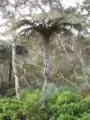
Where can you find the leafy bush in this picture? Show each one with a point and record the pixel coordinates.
(60, 105)
(9, 108)
(13, 109)
(69, 105)
(29, 96)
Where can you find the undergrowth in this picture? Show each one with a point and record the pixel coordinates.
(50, 104)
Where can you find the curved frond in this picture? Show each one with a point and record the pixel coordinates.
(27, 35)
(65, 31)
(21, 23)
(47, 27)
(57, 21)
(25, 31)
(76, 26)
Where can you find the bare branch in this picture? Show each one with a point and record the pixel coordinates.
(37, 5)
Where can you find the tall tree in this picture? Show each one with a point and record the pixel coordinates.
(46, 28)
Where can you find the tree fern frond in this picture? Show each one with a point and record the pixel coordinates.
(47, 27)
(25, 30)
(21, 23)
(79, 27)
(26, 35)
(66, 32)
(56, 21)
(76, 26)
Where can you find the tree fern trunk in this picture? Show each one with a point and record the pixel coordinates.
(15, 70)
(47, 63)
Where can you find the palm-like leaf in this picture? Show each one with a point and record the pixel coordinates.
(76, 26)
(47, 28)
(25, 31)
(21, 23)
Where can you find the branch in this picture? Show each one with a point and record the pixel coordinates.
(37, 5)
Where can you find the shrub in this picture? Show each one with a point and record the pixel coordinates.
(13, 109)
(9, 108)
(29, 96)
(68, 105)
(60, 105)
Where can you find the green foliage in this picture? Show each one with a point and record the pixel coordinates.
(29, 96)
(61, 105)
(68, 105)
(13, 109)
(9, 108)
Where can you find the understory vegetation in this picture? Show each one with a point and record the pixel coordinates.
(60, 103)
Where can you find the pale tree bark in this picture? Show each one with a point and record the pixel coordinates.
(47, 62)
(15, 69)
(14, 58)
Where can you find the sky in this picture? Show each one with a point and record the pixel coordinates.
(66, 3)
(70, 2)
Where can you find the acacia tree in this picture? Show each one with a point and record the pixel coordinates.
(46, 28)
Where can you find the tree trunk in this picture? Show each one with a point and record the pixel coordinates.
(47, 63)
(15, 70)
(10, 71)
